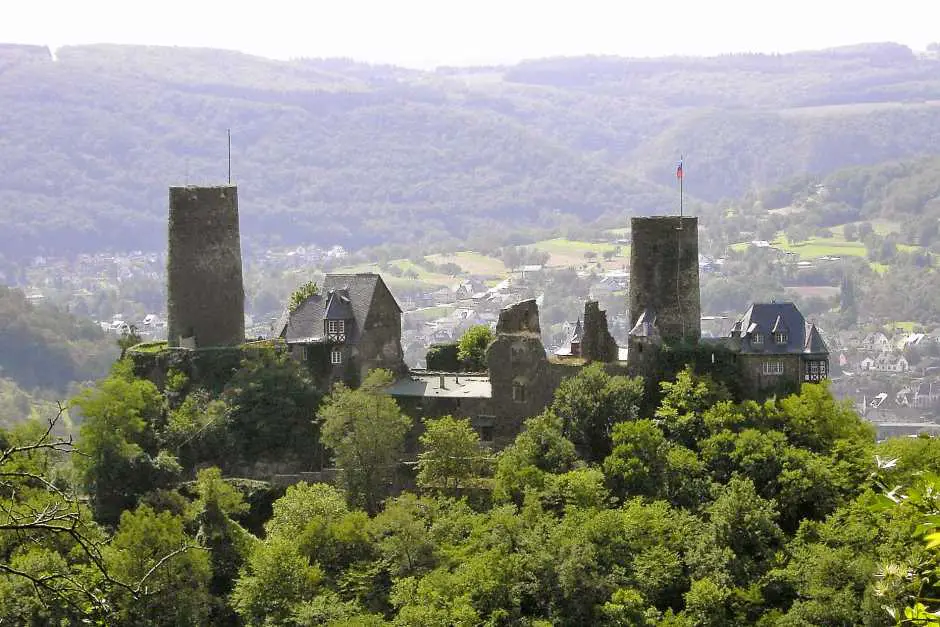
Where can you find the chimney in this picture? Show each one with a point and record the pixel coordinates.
(443, 387)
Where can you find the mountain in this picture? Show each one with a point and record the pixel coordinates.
(337, 152)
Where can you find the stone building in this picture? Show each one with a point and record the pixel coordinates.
(205, 294)
(776, 349)
(520, 383)
(352, 325)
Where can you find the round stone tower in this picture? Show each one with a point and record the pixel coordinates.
(205, 294)
(664, 276)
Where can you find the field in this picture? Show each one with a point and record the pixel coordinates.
(816, 247)
(570, 253)
(880, 227)
(472, 263)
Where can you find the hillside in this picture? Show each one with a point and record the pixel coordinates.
(335, 152)
(44, 349)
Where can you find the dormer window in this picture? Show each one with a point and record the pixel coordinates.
(757, 338)
(336, 327)
(780, 337)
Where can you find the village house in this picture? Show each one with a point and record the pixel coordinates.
(885, 362)
(876, 341)
(775, 344)
(352, 325)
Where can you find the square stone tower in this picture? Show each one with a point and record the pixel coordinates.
(664, 278)
(205, 293)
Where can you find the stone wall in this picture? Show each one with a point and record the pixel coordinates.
(205, 294)
(758, 386)
(379, 344)
(597, 344)
(521, 317)
(664, 275)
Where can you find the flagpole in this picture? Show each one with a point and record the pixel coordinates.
(681, 179)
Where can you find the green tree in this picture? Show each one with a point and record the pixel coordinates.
(271, 399)
(118, 460)
(227, 542)
(637, 464)
(275, 583)
(301, 294)
(591, 403)
(681, 412)
(366, 431)
(451, 457)
(525, 465)
(173, 574)
(471, 348)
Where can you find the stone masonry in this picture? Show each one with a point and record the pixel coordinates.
(664, 277)
(205, 294)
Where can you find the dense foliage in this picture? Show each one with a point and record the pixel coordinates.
(703, 512)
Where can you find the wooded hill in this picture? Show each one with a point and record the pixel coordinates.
(331, 151)
(43, 352)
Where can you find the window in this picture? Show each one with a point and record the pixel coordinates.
(773, 367)
(814, 367)
(486, 433)
(334, 327)
(757, 338)
(518, 392)
(780, 337)
(336, 356)
(823, 367)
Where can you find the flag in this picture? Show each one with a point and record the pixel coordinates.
(679, 170)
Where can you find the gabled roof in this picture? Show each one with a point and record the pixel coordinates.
(341, 297)
(769, 318)
(338, 306)
(577, 333)
(814, 341)
(303, 322)
(645, 325)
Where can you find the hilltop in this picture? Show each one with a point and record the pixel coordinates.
(337, 152)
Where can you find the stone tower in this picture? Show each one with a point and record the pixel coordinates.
(205, 294)
(664, 285)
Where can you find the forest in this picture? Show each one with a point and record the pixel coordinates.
(44, 354)
(337, 152)
(700, 511)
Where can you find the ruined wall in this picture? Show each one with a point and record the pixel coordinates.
(521, 317)
(664, 275)
(205, 294)
(597, 343)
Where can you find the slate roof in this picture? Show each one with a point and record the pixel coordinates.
(341, 297)
(338, 306)
(577, 333)
(645, 325)
(770, 318)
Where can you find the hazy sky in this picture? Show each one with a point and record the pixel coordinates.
(426, 33)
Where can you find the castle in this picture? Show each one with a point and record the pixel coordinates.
(353, 324)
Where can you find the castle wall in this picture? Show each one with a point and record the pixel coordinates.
(379, 343)
(664, 275)
(597, 343)
(205, 293)
(757, 385)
